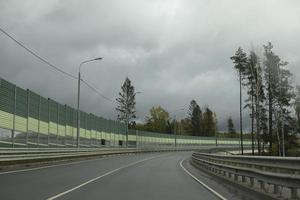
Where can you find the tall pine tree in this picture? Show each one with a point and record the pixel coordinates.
(255, 90)
(240, 61)
(195, 118)
(209, 123)
(126, 104)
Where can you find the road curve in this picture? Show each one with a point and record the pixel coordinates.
(135, 177)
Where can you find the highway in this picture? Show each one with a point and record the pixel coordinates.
(135, 177)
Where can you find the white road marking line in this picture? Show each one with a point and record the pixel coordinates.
(58, 165)
(203, 184)
(101, 176)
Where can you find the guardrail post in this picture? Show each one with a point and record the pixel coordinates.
(276, 189)
(229, 175)
(251, 181)
(236, 177)
(243, 179)
(262, 185)
(294, 193)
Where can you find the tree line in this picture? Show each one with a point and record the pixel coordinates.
(200, 122)
(273, 100)
(197, 122)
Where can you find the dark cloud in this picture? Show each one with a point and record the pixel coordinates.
(173, 50)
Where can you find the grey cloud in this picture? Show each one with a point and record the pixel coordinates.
(173, 50)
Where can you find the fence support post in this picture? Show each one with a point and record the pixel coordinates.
(27, 122)
(14, 118)
(48, 139)
(39, 122)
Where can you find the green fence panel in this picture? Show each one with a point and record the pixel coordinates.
(53, 108)
(82, 120)
(74, 118)
(7, 96)
(34, 104)
(61, 115)
(44, 112)
(69, 116)
(21, 102)
(61, 121)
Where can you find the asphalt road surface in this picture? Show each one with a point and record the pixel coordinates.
(148, 176)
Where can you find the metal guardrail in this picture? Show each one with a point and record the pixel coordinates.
(13, 151)
(20, 157)
(280, 173)
(289, 165)
(11, 156)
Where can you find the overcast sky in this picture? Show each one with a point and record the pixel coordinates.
(172, 50)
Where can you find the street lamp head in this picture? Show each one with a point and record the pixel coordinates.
(86, 61)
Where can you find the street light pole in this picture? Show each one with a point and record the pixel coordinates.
(78, 112)
(78, 99)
